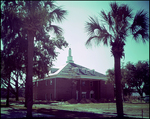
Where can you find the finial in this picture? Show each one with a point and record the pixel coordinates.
(69, 58)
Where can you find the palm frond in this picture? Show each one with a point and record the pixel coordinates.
(90, 39)
(56, 29)
(102, 36)
(140, 19)
(121, 16)
(104, 16)
(50, 3)
(114, 9)
(105, 36)
(124, 13)
(92, 25)
(144, 35)
(140, 26)
(108, 19)
(90, 29)
(58, 14)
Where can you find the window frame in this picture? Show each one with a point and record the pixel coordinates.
(83, 83)
(51, 82)
(37, 84)
(46, 82)
(91, 83)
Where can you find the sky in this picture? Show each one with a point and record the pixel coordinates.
(99, 57)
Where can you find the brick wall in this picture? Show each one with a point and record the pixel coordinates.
(106, 91)
(44, 90)
(65, 89)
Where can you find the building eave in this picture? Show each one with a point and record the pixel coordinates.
(73, 77)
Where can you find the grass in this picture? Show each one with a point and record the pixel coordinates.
(130, 109)
(89, 110)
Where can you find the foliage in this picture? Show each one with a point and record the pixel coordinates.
(14, 35)
(115, 27)
(134, 76)
(16, 20)
(138, 76)
(110, 73)
(25, 22)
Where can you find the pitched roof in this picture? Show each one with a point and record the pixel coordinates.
(72, 70)
(81, 70)
(53, 70)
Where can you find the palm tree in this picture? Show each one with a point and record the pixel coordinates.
(32, 17)
(38, 16)
(114, 31)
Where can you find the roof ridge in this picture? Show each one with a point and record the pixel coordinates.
(88, 68)
(62, 68)
(59, 70)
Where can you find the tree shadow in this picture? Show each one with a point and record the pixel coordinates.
(13, 113)
(53, 113)
(68, 114)
(75, 114)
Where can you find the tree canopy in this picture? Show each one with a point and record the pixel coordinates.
(134, 76)
(115, 26)
(26, 28)
(15, 20)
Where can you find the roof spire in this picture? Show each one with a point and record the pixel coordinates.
(69, 58)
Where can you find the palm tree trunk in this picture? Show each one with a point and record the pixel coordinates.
(25, 104)
(8, 92)
(29, 86)
(119, 103)
(17, 91)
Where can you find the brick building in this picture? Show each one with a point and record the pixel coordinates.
(72, 81)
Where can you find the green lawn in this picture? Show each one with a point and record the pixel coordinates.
(130, 109)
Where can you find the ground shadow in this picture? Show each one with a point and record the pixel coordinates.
(75, 114)
(21, 113)
(68, 114)
(13, 113)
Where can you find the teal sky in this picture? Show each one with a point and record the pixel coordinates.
(98, 58)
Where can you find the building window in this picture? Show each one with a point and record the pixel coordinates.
(50, 82)
(51, 96)
(91, 83)
(92, 71)
(75, 69)
(46, 97)
(33, 83)
(84, 71)
(37, 83)
(83, 94)
(83, 83)
(76, 95)
(46, 82)
(91, 94)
